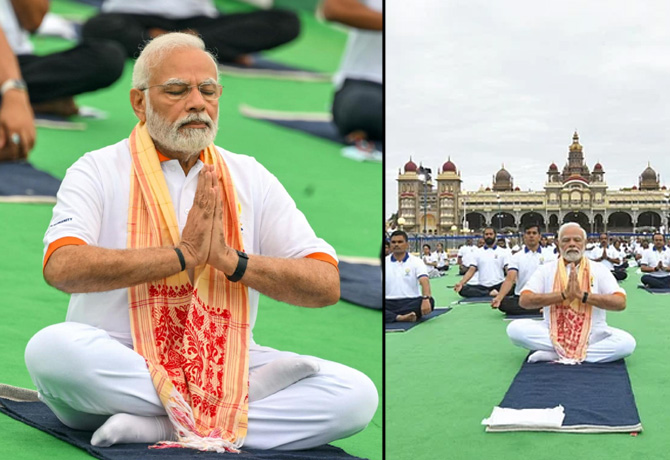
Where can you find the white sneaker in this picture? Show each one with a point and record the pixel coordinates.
(355, 153)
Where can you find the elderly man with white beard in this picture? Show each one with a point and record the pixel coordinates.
(165, 242)
(575, 294)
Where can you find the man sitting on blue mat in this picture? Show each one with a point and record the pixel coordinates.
(489, 262)
(404, 274)
(575, 294)
(655, 263)
(520, 268)
(166, 242)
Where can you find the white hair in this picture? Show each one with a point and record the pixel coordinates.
(155, 50)
(571, 225)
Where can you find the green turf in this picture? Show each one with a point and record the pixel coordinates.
(443, 377)
(341, 199)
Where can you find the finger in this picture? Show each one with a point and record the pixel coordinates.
(24, 146)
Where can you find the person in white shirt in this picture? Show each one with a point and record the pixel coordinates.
(655, 264)
(623, 256)
(359, 95)
(441, 257)
(489, 262)
(407, 290)
(87, 369)
(430, 260)
(639, 249)
(609, 256)
(520, 268)
(575, 294)
(231, 37)
(502, 244)
(467, 248)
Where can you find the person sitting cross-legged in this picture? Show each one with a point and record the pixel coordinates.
(489, 262)
(575, 294)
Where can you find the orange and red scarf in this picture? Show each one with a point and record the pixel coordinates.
(194, 337)
(570, 326)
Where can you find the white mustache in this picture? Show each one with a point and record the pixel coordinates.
(193, 118)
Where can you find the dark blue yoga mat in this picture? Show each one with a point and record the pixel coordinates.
(526, 316)
(323, 129)
(361, 284)
(38, 415)
(313, 124)
(403, 326)
(20, 181)
(653, 290)
(596, 395)
(267, 68)
(465, 300)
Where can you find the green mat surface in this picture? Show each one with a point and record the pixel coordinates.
(443, 378)
(341, 199)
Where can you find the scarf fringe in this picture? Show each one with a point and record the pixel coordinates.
(183, 421)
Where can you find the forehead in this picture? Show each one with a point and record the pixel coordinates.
(397, 239)
(572, 232)
(488, 231)
(188, 64)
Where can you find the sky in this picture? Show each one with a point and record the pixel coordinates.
(490, 83)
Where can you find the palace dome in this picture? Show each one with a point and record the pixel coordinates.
(410, 166)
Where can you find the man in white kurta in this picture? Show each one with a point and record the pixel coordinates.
(86, 369)
(655, 264)
(520, 268)
(407, 290)
(605, 343)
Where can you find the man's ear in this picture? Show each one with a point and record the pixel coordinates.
(138, 101)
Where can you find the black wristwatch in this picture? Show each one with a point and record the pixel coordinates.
(241, 267)
(426, 297)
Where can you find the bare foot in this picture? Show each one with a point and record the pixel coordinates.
(409, 317)
(155, 32)
(245, 60)
(356, 136)
(493, 293)
(64, 107)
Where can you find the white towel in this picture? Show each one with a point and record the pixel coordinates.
(538, 418)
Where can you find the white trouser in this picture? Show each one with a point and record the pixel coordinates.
(85, 376)
(604, 346)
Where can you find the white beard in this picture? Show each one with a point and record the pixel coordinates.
(189, 141)
(573, 255)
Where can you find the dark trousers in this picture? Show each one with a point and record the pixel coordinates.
(226, 36)
(87, 67)
(358, 106)
(444, 268)
(462, 270)
(395, 307)
(620, 274)
(477, 290)
(656, 282)
(510, 305)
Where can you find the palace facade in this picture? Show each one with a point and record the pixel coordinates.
(573, 194)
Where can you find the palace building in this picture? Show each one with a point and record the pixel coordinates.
(574, 194)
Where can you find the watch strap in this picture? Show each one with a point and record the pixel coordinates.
(13, 83)
(242, 260)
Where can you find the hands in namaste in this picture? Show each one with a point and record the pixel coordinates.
(203, 240)
(573, 291)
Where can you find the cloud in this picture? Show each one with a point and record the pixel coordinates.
(488, 83)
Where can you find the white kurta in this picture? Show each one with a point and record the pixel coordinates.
(86, 370)
(605, 343)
